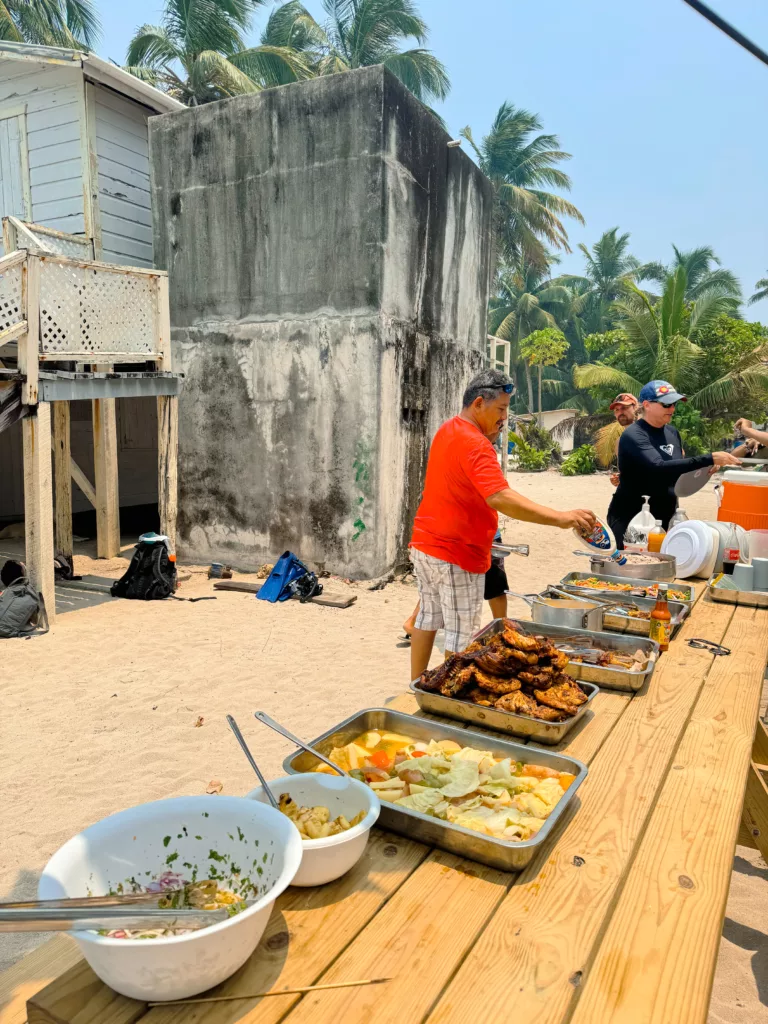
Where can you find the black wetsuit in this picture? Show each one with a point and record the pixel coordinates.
(650, 462)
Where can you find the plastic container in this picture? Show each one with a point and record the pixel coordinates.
(744, 500)
(758, 543)
(602, 542)
(681, 516)
(327, 859)
(656, 537)
(140, 840)
(640, 526)
(695, 546)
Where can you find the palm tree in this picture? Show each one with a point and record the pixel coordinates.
(660, 341)
(521, 165)
(704, 272)
(198, 53)
(761, 291)
(70, 23)
(609, 265)
(361, 33)
(524, 302)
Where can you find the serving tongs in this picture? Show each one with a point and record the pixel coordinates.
(264, 718)
(42, 918)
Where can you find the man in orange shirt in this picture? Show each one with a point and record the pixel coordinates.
(458, 517)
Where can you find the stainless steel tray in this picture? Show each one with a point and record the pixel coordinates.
(567, 583)
(497, 853)
(750, 598)
(617, 623)
(521, 726)
(663, 569)
(608, 677)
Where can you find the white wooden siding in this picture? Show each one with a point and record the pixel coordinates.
(14, 166)
(122, 148)
(51, 96)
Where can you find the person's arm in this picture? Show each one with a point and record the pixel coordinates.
(745, 426)
(641, 452)
(517, 506)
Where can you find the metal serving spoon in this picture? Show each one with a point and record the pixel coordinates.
(266, 720)
(264, 784)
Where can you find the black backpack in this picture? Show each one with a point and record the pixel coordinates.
(151, 576)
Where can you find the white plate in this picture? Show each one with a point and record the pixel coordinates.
(694, 545)
(690, 483)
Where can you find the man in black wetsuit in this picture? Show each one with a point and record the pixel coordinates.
(651, 460)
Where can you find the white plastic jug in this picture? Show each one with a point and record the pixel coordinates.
(640, 526)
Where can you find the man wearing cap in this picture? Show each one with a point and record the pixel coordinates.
(651, 460)
(624, 408)
(457, 519)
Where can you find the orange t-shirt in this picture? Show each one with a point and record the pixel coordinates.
(454, 521)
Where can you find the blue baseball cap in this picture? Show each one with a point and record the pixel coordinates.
(660, 391)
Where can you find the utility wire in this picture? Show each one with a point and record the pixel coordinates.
(724, 26)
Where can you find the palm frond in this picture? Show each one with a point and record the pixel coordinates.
(598, 375)
(272, 65)
(761, 291)
(151, 48)
(607, 441)
(421, 72)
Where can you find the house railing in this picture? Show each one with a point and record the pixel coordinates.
(18, 234)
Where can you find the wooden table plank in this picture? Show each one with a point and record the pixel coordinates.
(36, 970)
(433, 920)
(306, 932)
(657, 960)
(538, 945)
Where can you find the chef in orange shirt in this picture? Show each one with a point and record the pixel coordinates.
(458, 517)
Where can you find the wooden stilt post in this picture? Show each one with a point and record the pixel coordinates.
(167, 456)
(105, 473)
(38, 504)
(167, 425)
(62, 478)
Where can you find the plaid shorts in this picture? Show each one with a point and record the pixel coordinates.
(450, 597)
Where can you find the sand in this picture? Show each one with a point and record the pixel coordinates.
(101, 713)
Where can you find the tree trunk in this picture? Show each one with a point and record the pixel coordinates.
(529, 382)
(540, 409)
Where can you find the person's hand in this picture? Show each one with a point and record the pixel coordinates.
(614, 478)
(712, 470)
(725, 459)
(580, 519)
(742, 423)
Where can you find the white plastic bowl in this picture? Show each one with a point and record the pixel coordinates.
(327, 859)
(141, 843)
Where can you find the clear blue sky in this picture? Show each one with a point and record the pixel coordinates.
(664, 115)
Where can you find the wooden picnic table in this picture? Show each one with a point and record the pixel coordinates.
(617, 920)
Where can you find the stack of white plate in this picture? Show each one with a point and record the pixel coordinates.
(695, 545)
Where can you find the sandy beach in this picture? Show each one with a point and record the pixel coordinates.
(125, 702)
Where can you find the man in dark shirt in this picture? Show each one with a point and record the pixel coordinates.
(651, 460)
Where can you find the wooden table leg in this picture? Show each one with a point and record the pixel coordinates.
(62, 478)
(754, 821)
(38, 504)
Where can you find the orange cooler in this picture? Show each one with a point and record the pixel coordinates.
(745, 500)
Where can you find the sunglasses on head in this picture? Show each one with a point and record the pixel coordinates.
(508, 389)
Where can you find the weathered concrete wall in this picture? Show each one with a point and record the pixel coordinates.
(329, 262)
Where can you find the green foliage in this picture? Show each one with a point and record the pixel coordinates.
(545, 347)
(603, 345)
(580, 462)
(528, 458)
(522, 165)
(69, 23)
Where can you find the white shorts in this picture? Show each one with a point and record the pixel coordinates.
(450, 597)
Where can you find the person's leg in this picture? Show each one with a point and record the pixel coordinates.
(461, 597)
(429, 618)
(495, 589)
(410, 623)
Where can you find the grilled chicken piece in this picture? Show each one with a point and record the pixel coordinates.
(518, 703)
(457, 682)
(547, 714)
(433, 679)
(478, 696)
(494, 684)
(502, 662)
(518, 640)
(564, 695)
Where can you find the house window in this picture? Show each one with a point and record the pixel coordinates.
(14, 166)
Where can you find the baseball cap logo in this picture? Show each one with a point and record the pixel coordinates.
(663, 390)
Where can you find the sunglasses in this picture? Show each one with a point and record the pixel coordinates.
(508, 389)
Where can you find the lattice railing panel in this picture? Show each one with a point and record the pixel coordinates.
(11, 311)
(80, 248)
(92, 311)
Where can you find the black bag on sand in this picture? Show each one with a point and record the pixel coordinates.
(151, 576)
(22, 611)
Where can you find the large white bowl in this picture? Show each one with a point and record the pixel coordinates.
(327, 859)
(245, 838)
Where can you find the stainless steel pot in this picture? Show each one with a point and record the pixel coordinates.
(663, 567)
(548, 613)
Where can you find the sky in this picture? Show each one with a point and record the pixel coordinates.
(665, 117)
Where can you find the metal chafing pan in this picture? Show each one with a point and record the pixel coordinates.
(750, 598)
(608, 677)
(663, 567)
(615, 622)
(497, 853)
(521, 726)
(568, 582)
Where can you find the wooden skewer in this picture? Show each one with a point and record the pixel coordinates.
(274, 992)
